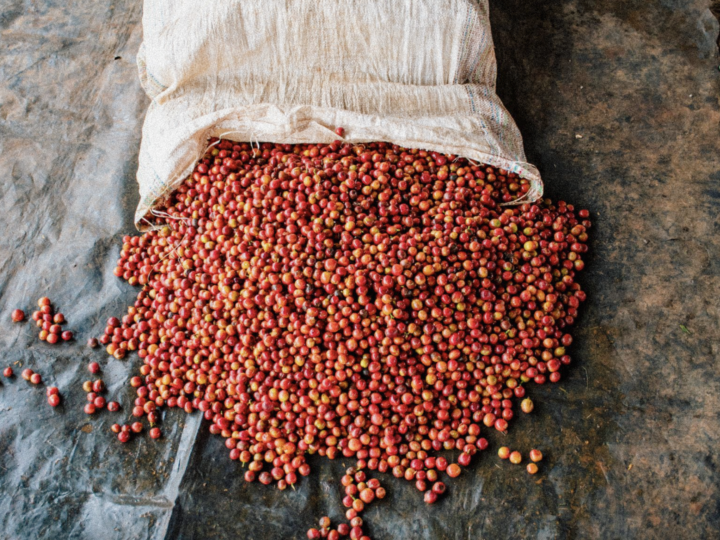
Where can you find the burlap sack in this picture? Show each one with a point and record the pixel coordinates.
(418, 73)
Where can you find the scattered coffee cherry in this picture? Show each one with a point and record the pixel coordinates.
(87, 386)
(27, 373)
(501, 424)
(18, 315)
(515, 457)
(430, 497)
(53, 400)
(8, 372)
(155, 433)
(52, 338)
(123, 436)
(92, 343)
(99, 402)
(98, 386)
(50, 390)
(113, 406)
(531, 468)
(94, 367)
(115, 428)
(136, 427)
(44, 301)
(265, 478)
(503, 452)
(58, 318)
(368, 495)
(91, 397)
(527, 405)
(453, 470)
(43, 335)
(312, 534)
(89, 408)
(340, 132)
(67, 335)
(535, 455)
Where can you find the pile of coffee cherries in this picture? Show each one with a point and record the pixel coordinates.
(360, 301)
(48, 321)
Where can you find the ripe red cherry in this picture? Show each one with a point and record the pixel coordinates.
(453, 470)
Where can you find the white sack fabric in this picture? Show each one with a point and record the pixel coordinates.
(417, 73)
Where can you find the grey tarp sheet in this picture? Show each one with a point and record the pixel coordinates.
(618, 103)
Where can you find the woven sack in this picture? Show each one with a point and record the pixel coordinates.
(417, 73)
